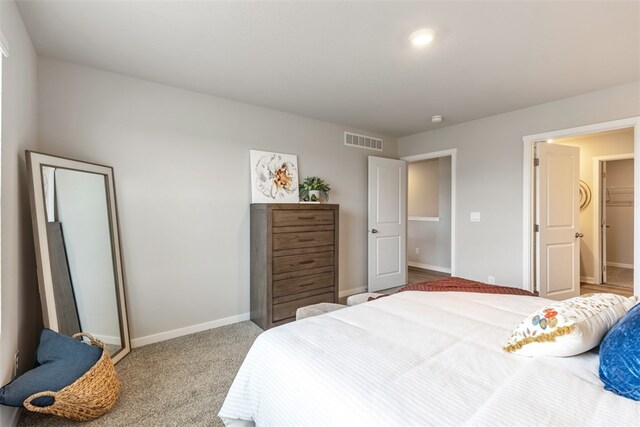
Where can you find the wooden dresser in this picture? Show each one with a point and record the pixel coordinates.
(294, 259)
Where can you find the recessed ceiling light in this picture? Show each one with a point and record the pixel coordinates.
(549, 141)
(436, 119)
(422, 37)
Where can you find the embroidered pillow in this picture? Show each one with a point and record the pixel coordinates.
(569, 327)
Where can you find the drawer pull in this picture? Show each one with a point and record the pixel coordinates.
(306, 240)
(306, 217)
(307, 284)
(309, 261)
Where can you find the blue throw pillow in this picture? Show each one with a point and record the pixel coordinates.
(60, 361)
(620, 356)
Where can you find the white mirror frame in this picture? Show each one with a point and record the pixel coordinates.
(35, 162)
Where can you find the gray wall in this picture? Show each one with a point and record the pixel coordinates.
(433, 238)
(620, 218)
(489, 173)
(21, 318)
(181, 162)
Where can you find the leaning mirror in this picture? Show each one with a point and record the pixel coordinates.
(75, 227)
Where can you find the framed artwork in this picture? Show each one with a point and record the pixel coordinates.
(274, 177)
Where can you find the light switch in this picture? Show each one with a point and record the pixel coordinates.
(474, 217)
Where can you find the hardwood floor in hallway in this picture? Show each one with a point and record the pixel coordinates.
(586, 288)
(417, 275)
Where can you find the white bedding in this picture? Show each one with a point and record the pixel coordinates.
(416, 359)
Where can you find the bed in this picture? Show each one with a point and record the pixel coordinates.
(417, 358)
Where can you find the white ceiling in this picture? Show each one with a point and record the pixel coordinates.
(349, 62)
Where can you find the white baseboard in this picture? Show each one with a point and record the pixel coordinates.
(589, 280)
(429, 267)
(619, 265)
(349, 292)
(163, 336)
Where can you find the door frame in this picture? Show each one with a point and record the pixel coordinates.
(597, 203)
(453, 153)
(528, 214)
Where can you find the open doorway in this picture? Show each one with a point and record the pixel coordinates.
(616, 216)
(605, 210)
(581, 233)
(429, 219)
(431, 189)
(388, 218)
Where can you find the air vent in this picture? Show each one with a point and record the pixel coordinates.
(362, 141)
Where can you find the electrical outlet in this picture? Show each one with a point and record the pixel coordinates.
(417, 251)
(16, 364)
(491, 280)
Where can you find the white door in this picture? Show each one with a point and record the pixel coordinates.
(557, 206)
(604, 196)
(387, 223)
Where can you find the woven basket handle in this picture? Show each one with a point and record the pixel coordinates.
(94, 341)
(33, 408)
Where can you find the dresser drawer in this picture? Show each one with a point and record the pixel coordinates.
(301, 284)
(303, 228)
(288, 309)
(289, 218)
(302, 240)
(302, 262)
(301, 273)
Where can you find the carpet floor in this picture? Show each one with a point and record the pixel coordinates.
(179, 382)
(622, 277)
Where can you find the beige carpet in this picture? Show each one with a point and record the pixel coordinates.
(180, 382)
(622, 277)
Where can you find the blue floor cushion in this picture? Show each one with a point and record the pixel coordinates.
(620, 356)
(61, 360)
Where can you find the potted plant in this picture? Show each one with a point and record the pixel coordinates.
(313, 189)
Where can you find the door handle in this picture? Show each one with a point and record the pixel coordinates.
(579, 235)
(374, 231)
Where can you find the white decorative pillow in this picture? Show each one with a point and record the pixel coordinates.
(569, 327)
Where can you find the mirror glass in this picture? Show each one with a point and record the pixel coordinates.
(77, 240)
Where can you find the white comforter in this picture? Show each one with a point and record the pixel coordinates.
(417, 359)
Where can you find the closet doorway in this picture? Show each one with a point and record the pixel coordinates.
(614, 251)
(606, 210)
(430, 216)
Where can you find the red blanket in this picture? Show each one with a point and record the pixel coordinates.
(456, 284)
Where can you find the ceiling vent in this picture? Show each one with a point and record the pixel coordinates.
(362, 141)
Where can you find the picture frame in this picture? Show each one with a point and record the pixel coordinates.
(274, 177)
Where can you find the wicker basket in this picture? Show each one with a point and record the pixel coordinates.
(90, 396)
